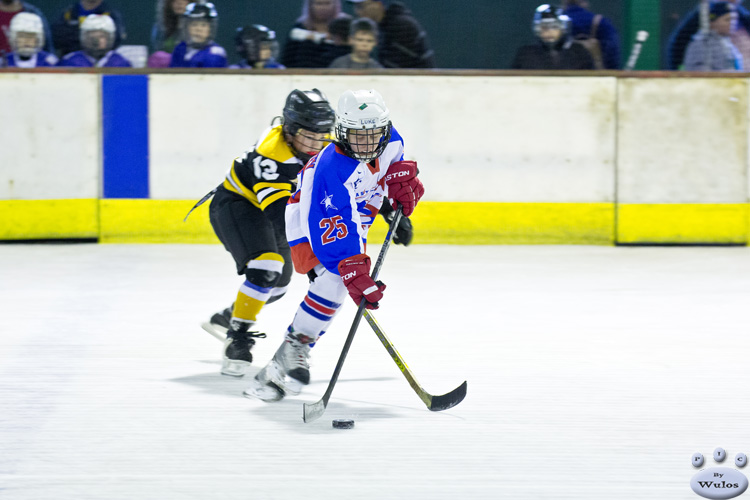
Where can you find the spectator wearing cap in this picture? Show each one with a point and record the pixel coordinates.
(689, 26)
(714, 51)
(403, 43)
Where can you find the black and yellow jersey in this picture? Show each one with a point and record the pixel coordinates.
(267, 173)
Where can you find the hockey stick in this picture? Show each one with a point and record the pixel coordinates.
(313, 411)
(434, 403)
(640, 39)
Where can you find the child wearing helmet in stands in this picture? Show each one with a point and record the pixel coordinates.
(26, 41)
(197, 48)
(97, 40)
(258, 48)
(555, 50)
(337, 196)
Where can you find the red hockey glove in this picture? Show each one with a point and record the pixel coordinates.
(404, 188)
(355, 271)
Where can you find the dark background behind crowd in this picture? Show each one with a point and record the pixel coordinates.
(481, 34)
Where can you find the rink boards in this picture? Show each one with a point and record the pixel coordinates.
(505, 159)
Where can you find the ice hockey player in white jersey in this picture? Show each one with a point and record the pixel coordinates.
(339, 193)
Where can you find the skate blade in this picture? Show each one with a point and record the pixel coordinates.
(268, 392)
(215, 330)
(234, 368)
(275, 375)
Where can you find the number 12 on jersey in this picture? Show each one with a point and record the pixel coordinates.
(330, 225)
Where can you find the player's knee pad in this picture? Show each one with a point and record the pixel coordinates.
(265, 270)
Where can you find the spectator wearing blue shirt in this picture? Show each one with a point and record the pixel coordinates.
(197, 48)
(97, 40)
(26, 36)
(582, 21)
(66, 30)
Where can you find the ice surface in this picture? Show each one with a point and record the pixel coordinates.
(593, 373)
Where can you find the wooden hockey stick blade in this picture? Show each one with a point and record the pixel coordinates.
(433, 403)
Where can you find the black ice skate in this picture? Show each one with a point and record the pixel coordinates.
(218, 325)
(237, 356)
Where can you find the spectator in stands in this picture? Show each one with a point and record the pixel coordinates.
(8, 10)
(26, 42)
(257, 47)
(338, 37)
(363, 38)
(554, 49)
(165, 34)
(98, 33)
(714, 51)
(403, 43)
(690, 25)
(66, 31)
(585, 23)
(309, 44)
(197, 48)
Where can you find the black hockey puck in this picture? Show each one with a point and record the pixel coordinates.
(343, 424)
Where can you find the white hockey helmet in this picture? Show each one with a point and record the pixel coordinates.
(26, 22)
(363, 124)
(90, 41)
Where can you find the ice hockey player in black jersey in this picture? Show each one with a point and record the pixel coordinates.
(555, 48)
(247, 214)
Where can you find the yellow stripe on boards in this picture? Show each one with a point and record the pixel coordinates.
(161, 221)
(154, 221)
(683, 223)
(53, 219)
(451, 223)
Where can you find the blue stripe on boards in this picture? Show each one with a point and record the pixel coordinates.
(125, 136)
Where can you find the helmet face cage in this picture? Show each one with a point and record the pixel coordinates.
(363, 144)
(307, 113)
(548, 17)
(31, 39)
(363, 125)
(251, 41)
(199, 13)
(97, 35)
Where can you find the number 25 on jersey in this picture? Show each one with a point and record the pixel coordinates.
(330, 225)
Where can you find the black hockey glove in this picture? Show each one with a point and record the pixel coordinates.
(404, 231)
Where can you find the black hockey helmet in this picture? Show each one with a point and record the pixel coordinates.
(249, 40)
(307, 110)
(199, 11)
(547, 16)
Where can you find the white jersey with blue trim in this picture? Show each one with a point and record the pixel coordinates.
(335, 204)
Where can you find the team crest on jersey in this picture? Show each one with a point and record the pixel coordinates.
(327, 203)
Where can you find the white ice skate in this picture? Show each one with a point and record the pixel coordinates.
(287, 372)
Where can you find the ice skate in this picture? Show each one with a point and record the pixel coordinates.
(218, 325)
(264, 390)
(289, 369)
(237, 356)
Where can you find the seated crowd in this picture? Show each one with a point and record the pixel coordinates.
(384, 34)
